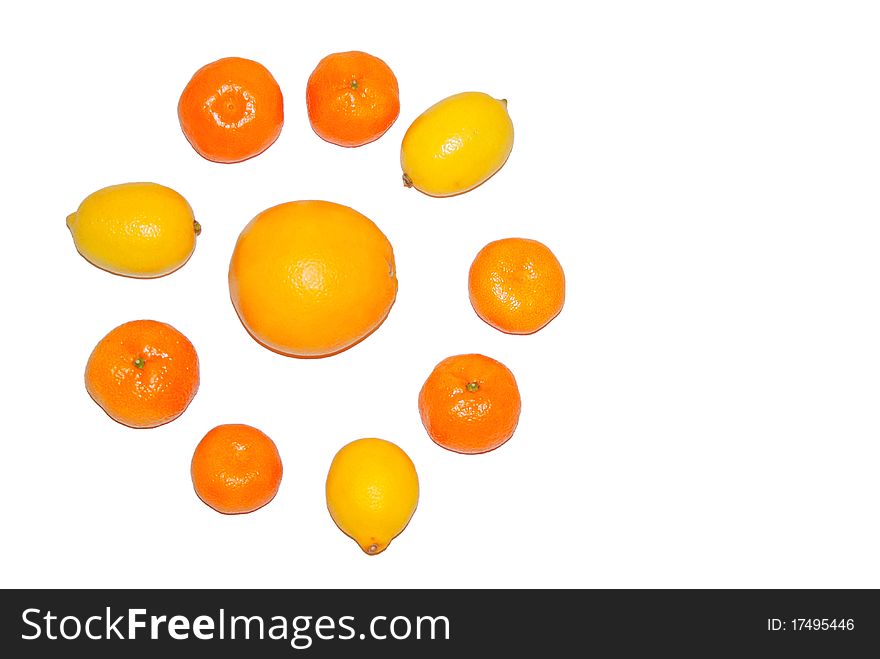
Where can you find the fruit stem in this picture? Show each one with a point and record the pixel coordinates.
(372, 549)
(407, 181)
(197, 227)
(473, 386)
(139, 362)
(354, 84)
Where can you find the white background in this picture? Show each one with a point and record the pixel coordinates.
(703, 413)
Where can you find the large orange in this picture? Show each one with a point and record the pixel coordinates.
(516, 285)
(143, 373)
(236, 469)
(312, 278)
(470, 404)
(231, 110)
(352, 98)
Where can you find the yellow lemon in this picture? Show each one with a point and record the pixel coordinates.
(135, 229)
(372, 492)
(456, 144)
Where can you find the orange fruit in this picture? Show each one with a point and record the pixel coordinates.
(236, 469)
(352, 98)
(231, 110)
(143, 373)
(311, 278)
(470, 404)
(516, 285)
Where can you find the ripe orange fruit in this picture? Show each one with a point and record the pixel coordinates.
(236, 469)
(352, 98)
(311, 278)
(516, 285)
(143, 373)
(231, 110)
(470, 404)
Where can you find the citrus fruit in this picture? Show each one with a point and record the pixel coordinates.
(352, 98)
(516, 285)
(311, 278)
(143, 373)
(470, 404)
(456, 144)
(372, 492)
(236, 469)
(135, 229)
(231, 110)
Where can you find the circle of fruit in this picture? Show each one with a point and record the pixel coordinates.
(352, 98)
(516, 285)
(312, 278)
(231, 110)
(372, 492)
(470, 404)
(236, 469)
(143, 373)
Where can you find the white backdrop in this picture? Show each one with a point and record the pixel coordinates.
(702, 413)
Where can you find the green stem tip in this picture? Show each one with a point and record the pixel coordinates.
(473, 386)
(197, 227)
(139, 362)
(354, 84)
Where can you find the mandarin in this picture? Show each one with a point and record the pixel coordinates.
(470, 404)
(516, 285)
(143, 373)
(236, 469)
(352, 98)
(231, 110)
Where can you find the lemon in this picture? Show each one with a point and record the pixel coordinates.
(135, 229)
(456, 144)
(372, 492)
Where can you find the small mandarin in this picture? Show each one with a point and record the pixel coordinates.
(143, 373)
(352, 98)
(231, 110)
(470, 404)
(516, 285)
(236, 469)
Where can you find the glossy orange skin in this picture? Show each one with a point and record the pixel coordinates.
(470, 404)
(352, 98)
(312, 278)
(516, 285)
(236, 469)
(143, 373)
(231, 110)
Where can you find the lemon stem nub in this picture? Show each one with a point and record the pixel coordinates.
(197, 227)
(139, 362)
(473, 386)
(407, 181)
(372, 549)
(354, 84)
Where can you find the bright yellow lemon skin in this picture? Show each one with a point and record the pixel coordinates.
(372, 492)
(456, 144)
(139, 230)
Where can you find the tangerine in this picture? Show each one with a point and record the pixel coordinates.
(470, 404)
(516, 285)
(231, 110)
(143, 373)
(236, 469)
(352, 98)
